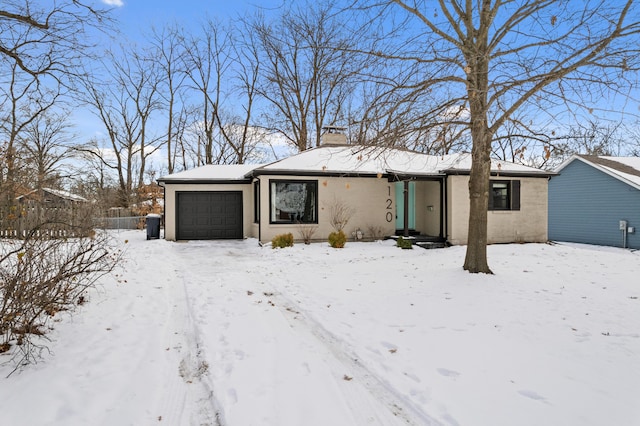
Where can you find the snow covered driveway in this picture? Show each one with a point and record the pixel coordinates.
(227, 332)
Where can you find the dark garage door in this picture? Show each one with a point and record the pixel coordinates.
(209, 215)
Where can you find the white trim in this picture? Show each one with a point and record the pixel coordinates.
(613, 173)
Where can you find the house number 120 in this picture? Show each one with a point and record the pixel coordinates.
(389, 205)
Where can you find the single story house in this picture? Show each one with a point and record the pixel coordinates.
(59, 212)
(596, 200)
(384, 192)
(50, 196)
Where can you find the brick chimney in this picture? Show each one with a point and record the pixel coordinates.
(333, 136)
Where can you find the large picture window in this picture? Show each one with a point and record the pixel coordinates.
(504, 195)
(293, 201)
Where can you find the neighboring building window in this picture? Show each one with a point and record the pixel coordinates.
(256, 201)
(504, 195)
(294, 201)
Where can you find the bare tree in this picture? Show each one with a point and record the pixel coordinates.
(46, 145)
(169, 49)
(497, 58)
(208, 61)
(42, 48)
(125, 109)
(48, 39)
(633, 133)
(307, 72)
(590, 138)
(22, 102)
(238, 129)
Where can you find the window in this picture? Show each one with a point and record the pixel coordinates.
(504, 195)
(293, 201)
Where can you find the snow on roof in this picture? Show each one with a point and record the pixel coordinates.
(630, 172)
(212, 172)
(58, 193)
(374, 160)
(464, 160)
(626, 169)
(352, 159)
(66, 195)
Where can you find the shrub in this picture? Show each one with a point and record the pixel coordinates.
(307, 232)
(41, 276)
(404, 243)
(282, 241)
(337, 239)
(339, 214)
(376, 232)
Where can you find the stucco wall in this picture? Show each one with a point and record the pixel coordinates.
(374, 212)
(372, 200)
(529, 224)
(170, 203)
(428, 207)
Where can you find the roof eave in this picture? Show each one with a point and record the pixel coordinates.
(505, 173)
(327, 173)
(163, 182)
(343, 173)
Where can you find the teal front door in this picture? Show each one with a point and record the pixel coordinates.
(400, 205)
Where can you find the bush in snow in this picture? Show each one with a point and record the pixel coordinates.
(404, 243)
(337, 239)
(282, 241)
(40, 276)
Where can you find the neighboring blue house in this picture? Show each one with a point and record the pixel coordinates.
(596, 200)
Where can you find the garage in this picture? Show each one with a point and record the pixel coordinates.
(209, 215)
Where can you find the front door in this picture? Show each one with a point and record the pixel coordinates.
(400, 205)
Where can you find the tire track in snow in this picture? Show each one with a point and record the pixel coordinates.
(346, 360)
(196, 406)
(370, 399)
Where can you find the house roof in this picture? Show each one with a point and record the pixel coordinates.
(363, 160)
(66, 195)
(57, 192)
(354, 160)
(625, 169)
(211, 172)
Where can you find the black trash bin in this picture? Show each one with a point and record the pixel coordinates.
(153, 226)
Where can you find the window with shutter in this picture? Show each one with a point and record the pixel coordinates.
(504, 195)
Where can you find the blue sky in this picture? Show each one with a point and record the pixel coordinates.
(136, 15)
(135, 18)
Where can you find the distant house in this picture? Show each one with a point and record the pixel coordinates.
(59, 212)
(50, 196)
(388, 192)
(596, 200)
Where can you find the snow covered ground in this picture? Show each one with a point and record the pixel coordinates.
(227, 332)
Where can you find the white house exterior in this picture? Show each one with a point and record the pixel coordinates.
(387, 191)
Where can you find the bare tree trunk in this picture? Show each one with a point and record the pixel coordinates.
(476, 53)
(476, 256)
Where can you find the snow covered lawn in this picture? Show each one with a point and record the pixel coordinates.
(227, 332)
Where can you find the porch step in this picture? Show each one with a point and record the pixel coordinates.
(424, 241)
(412, 232)
(431, 244)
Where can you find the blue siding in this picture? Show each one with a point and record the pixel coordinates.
(586, 206)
